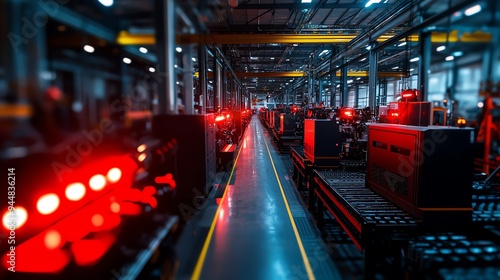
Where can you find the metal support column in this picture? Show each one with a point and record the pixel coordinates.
(356, 97)
(202, 74)
(372, 79)
(188, 96)
(424, 65)
(24, 48)
(218, 85)
(165, 43)
(343, 87)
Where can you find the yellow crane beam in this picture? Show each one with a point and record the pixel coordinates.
(126, 38)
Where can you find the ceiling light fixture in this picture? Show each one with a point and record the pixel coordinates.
(88, 48)
(127, 60)
(450, 58)
(441, 48)
(473, 10)
(415, 59)
(178, 49)
(370, 2)
(143, 50)
(107, 3)
(402, 44)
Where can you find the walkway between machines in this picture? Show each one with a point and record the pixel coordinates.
(253, 235)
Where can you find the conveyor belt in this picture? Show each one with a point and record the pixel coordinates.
(358, 209)
(486, 209)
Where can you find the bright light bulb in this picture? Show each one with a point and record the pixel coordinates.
(47, 204)
(75, 191)
(97, 182)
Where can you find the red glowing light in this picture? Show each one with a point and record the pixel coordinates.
(227, 116)
(52, 239)
(15, 219)
(97, 220)
(97, 182)
(394, 114)
(88, 252)
(75, 191)
(219, 118)
(167, 179)
(141, 148)
(114, 174)
(47, 204)
(115, 207)
(141, 157)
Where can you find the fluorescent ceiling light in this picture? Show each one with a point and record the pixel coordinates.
(306, 1)
(324, 52)
(363, 59)
(107, 3)
(402, 44)
(473, 10)
(395, 67)
(193, 59)
(152, 69)
(411, 69)
(127, 60)
(457, 53)
(272, 58)
(143, 50)
(370, 2)
(178, 49)
(358, 78)
(88, 49)
(295, 45)
(449, 58)
(349, 81)
(441, 48)
(414, 59)
(369, 47)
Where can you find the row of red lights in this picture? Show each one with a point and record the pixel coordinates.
(49, 203)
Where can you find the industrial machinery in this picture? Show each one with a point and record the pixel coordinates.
(195, 154)
(409, 113)
(412, 167)
(322, 142)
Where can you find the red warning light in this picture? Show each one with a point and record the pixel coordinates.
(97, 182)
(15, 219)
(52, 239)
(167, 179)
(75, 191)
(47, 204)
(114, 175)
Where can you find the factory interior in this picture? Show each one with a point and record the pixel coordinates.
(250, 139)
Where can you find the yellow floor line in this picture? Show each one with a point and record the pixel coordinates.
(310, 273)
(201, 259)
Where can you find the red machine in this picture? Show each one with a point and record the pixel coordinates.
(424, 170)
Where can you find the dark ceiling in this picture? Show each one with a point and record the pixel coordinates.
(277, 17)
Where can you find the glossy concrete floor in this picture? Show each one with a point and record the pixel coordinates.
(260, 229)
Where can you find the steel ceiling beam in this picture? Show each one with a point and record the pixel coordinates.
(293, 74)
(297, 74)
(292, 6)
(125, 38)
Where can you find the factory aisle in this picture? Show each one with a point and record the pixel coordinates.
(253, 235)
